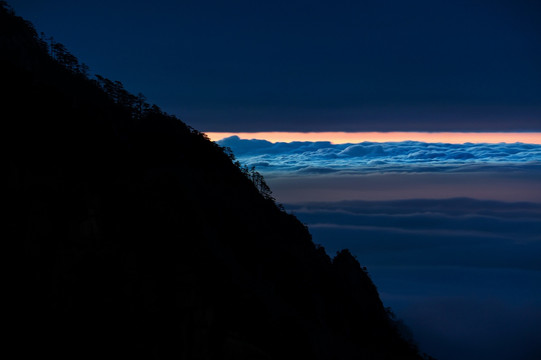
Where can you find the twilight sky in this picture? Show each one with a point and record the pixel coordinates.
(449, 230)
(295, 65)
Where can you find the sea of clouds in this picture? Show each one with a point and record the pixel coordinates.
(463, 274)
(450, 233)
(323, 157)
(444, 232)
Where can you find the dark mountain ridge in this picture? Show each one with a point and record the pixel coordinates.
(143, 238)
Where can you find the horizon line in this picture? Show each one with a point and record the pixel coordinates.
(342, 137)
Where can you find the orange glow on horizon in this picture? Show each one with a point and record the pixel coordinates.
(358, 137)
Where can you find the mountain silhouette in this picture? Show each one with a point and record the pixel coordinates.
(142, 238)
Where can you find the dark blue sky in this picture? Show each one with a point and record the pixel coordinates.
(314, 65)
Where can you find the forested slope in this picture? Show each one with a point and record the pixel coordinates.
(140, 237)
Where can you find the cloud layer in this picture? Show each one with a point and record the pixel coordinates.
(464, 274)
(408, 156)
(450, 232)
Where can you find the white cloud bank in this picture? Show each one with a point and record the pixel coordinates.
(369, 157)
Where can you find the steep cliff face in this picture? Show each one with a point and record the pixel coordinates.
(142, 238)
